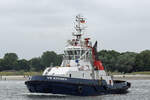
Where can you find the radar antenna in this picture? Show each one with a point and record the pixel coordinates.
(79, 26)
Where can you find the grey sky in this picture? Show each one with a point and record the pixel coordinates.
(30, 27)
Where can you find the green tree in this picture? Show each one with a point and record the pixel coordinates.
(48, 58)
(35, 64)
(142, 62)
(109, 58)
(10, 60)
(22, 65)
(2, 65)
(126, 62)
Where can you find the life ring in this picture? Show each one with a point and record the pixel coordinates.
(80, 89)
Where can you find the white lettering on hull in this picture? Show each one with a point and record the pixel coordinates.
(56, 78)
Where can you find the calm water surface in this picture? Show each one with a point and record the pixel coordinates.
(16, 90)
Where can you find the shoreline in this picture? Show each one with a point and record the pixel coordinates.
(15, 77)
(115, 77)
(132, 77)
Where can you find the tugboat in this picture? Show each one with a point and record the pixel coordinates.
(81, 72)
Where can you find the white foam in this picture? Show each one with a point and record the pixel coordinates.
(43, 94)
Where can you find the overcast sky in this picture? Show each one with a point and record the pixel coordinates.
(30, 27)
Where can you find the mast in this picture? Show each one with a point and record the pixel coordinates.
(79, 27)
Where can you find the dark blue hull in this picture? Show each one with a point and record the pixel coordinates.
(73, 86)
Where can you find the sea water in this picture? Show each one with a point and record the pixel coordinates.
(16, 90)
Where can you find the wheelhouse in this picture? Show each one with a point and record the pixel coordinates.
(77, 54)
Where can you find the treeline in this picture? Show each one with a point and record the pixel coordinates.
(125, 62)
(113, 61)
(11, 61)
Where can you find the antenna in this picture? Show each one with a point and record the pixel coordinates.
(79, 26)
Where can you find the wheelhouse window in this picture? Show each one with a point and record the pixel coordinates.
(77, 54)
(72, 54)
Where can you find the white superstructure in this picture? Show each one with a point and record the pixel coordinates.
(80, 59)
